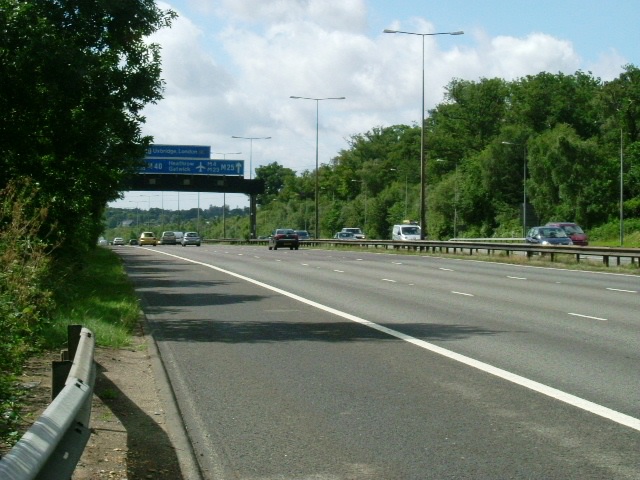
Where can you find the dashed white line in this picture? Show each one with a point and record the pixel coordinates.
(516, 278)
(388, 280)
(463, 293)
(397, 263)
(551, 392)
(446, 269)
(339, 271)
(588, 316)
(621, 290)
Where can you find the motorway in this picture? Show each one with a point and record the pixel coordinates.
(318, 364)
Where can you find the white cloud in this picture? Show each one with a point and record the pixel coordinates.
(238, 80)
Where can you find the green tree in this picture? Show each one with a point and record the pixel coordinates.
(75, 76)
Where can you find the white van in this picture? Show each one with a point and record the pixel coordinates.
(405, 232)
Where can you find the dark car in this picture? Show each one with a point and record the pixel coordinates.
(575, 233)
(345, 236)
(190, 238)
(168, 238)
(303, 235)
(284, 237)
(548, 236)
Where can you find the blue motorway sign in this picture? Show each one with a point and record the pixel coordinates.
(193, 166)
(178, 151)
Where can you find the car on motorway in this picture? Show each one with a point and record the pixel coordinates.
(190, 238)
(574, 231)
(344, 236)
(405, 232)
(133, 241)
(303, 235)
(548, 236)
(103, 242)
(118, 241)
(284, 237)
(148, 238)
(358, 233)
(168, 238)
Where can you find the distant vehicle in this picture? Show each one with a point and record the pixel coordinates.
(303, 235)
(548, 236)
(133, 241)
(103, 242)
(573, 230)
(284, 237)
(190, 238)
(148, 238)
(118, 241)
(179, 236)
(168, 238)
(359, 234)
(405, 232)
(345, 236)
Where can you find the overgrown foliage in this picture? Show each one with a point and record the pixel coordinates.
(568, 135)
(75, 76)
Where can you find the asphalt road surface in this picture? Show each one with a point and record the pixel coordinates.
(317, 364)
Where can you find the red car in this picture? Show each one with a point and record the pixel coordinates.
(573, 231)
(284, 237)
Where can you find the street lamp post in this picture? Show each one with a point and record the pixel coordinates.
(524, 184)
(224, 194)
(423, 216)
(621, 189)
(317, 100)
(252, 197)
(364, 190)
(455, 200)
(251, 139)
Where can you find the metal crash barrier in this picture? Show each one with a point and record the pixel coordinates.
(53, 445)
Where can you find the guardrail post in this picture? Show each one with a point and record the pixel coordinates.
(60, 369)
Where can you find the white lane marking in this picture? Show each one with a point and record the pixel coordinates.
(586, 405)
(516, 278)
(304, 264)
(339, 271)
(588, 316)
(621, 290)
(388, 280)
(462, 293)
(397, 263)
(445, 269)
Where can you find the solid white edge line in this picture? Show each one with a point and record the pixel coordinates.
(578, 402)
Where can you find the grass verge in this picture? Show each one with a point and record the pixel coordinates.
(99, 297)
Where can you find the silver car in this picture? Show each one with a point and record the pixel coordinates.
(190, 238)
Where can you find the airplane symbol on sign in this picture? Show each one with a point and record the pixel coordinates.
(201, 167)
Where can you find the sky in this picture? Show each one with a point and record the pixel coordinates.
(231, 66)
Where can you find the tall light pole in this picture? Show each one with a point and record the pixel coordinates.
(317, 100)
(364, 190)
(621, 190)
(252, 197)
(224, 195)
(524, 184)
(251, 139)
(455, 200)
(423, 170)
